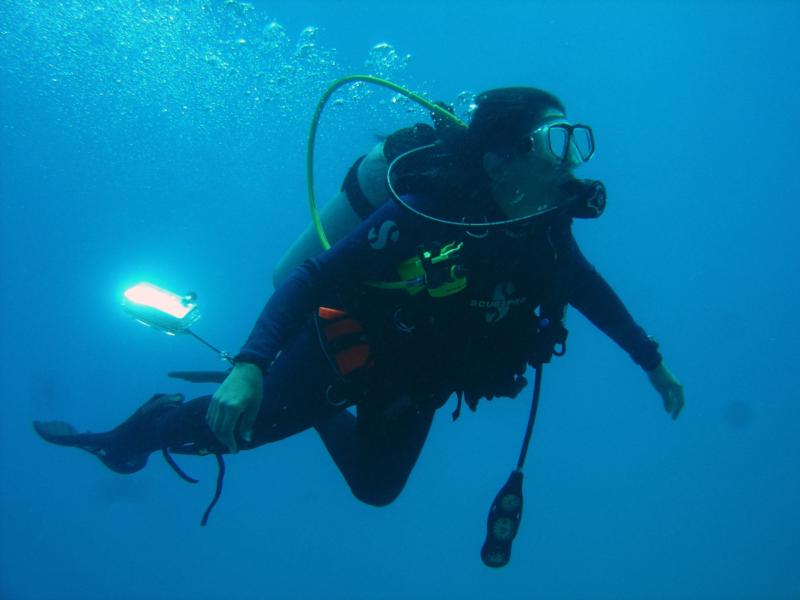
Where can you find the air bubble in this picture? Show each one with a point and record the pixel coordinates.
(464, 105)
(275, 35)
(308, 35)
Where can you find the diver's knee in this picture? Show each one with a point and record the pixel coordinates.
(377, 497)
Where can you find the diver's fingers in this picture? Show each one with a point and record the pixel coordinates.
(676, 395)
(212, 412)
(216, 419)
(226, 427)
(247, 422)
(678, 408)
(227, 439)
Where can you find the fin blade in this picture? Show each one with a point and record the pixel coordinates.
(56, 432)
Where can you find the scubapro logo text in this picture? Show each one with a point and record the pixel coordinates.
(387, 233)
(497, 308)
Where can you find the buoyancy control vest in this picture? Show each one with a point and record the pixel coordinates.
(364, 189)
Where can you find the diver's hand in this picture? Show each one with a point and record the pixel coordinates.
(236, 401)
(669, 388)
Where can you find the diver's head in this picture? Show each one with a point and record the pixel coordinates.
(528, 147)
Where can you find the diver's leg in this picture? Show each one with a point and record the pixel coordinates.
(125, 448)
(294, 399)
(377, 453)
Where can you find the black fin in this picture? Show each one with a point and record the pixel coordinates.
(64, 434)
(108, 447)
(200, 376)
(56, 432)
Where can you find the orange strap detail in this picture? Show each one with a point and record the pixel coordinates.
(343, 327)
(353, 358)
(330, 314)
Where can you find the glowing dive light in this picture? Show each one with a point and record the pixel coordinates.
(166, 311)
(161, 309)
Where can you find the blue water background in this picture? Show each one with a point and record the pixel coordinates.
(164, 141)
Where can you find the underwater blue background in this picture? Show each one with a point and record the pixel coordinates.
(164, 141)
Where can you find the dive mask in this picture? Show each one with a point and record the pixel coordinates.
(566, 142)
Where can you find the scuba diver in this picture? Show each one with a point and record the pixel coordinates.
(453, 265)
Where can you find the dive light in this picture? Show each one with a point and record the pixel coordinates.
(161, 309)
(165, 311)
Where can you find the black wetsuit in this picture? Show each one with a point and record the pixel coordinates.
(422, 349)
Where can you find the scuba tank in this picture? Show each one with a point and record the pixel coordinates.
(369, 182)
(338, 216)
(369, 175)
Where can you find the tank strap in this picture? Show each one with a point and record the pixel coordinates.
(355, 195)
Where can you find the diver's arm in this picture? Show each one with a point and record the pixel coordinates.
(595, 298)
(283, 316)
(238, 399)
(387, 237)
(383, 240)
(589, 292)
